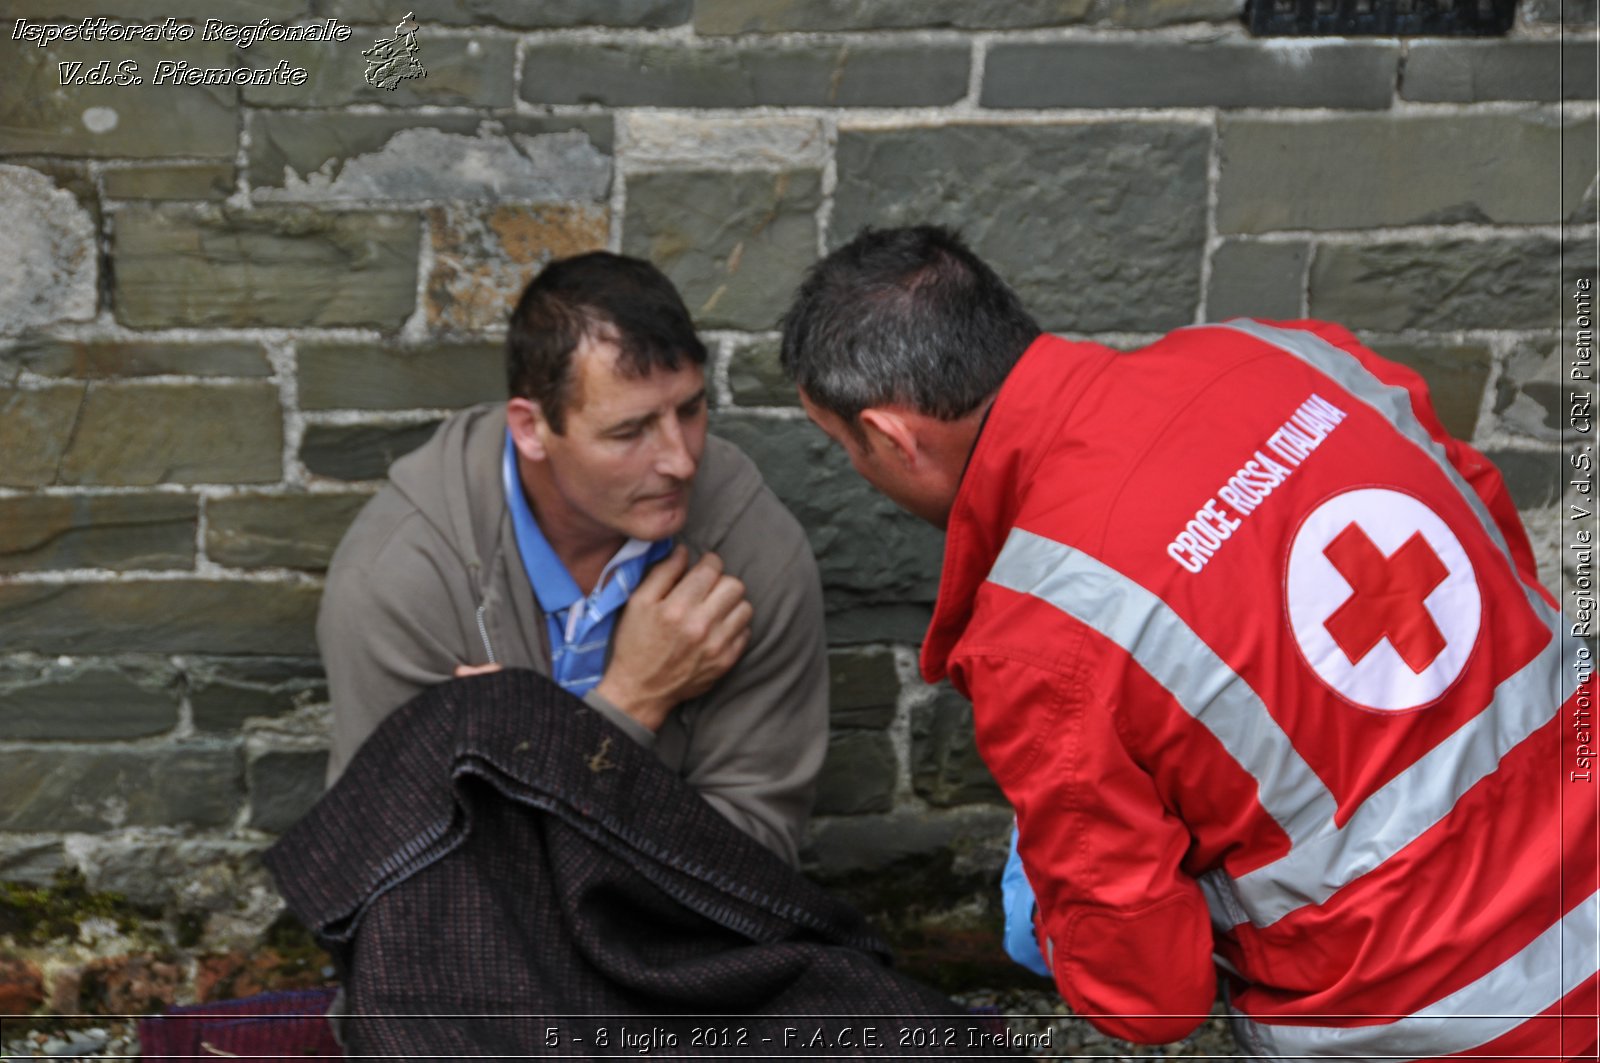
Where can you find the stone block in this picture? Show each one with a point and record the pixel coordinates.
(48, 246)
(863, 688)
(279, 531)
(347, 376)
(170, 182)
(360, 451)
(100, 359)
(1352, 172)
(858, 775)
(1534, 394)
(735, 244)
(1253, 279)
(972, 839)
(1505, 283)
(467, 71)
(95, 791)
(1147, 14)
(1118, 72)
(810, 74)
(1535, 478)
(41, 116)
(283, 787)
(225, 692)
(86, 700)
(1099, 227)
(204, 268)
(134, 433)
(1570, 14)
(518, 14)
(483, 260)
(945, 767)
(664, 139)
(35, 427)
(24, 859)
(393, 158)
(757, 379)
(867, 549)
(1457, 71)
(852, 621)
(40, 532)
(183, 10)
(160, 616)
(733, 17)
(1456, 374)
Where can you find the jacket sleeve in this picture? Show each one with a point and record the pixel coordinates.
(1125, 932)
(1479, 473)
(759, 736)
(378, 629)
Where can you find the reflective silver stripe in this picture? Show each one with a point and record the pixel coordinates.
(1178, 659)
(1323, 857)
(1394, 404)
(1535, 979)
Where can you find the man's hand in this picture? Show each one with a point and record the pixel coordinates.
(679, 633)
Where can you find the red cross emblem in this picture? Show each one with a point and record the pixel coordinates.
(1388, 599)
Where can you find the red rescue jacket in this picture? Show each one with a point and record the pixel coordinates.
(1260, 656)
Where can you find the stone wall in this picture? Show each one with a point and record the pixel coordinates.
(225, 309)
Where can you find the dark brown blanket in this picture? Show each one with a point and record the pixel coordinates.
(500, 871)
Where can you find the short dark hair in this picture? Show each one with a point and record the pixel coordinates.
(599, 296)
(907, 316)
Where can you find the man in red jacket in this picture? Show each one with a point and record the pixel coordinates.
(1258, 653)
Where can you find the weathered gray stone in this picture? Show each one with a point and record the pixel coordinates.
(1534, 393)
(1100, 227)
(1475, 71)
(783, 16)
(170, 182)
(31, 862)
(945, 767)
(53, 789)
(756, 378)
(660, 139)
(1254, 279)
(851, 622)
(283, 787)
(1453, 284)
(160, 616)
(735, 244)
(86, 700)
(622, 74)
(858, 775)
(225, 692)
(158, 10)
(398, 157)
(138, 434)
(482, 260)
(472, 71)
(868, 550)
(862, 688)
(1456, 374)
(1535, 478)
(360, 451)
(518, 14)
(1351, 172)
(41, 116)
(1146, 14)
(162, 871)
(276, 268)
(98, 531)
(97, 359)
(287, 531)
(47, 252)
(855, 845)
(35, 427)
(386, 377)
(1281, 72)
(1572, 14)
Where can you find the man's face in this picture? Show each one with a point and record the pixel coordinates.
(626, 462)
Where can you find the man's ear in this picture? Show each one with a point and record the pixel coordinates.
(529, 429)
(896, 428)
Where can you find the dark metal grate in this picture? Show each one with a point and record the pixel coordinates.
(1379, 18)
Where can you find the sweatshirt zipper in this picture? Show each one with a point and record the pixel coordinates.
(483, 633)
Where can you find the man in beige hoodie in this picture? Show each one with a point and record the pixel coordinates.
(590, 529)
